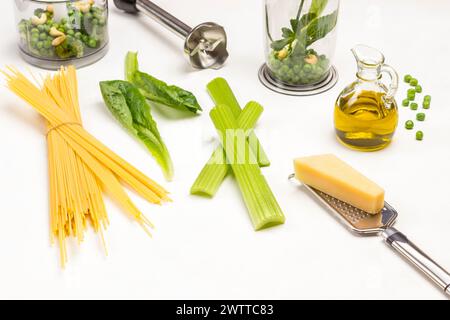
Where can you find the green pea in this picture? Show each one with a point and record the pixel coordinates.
(284, 69)
(414, 106)
(407, 78)
(419, 135)
(409, 124)
(41, 27)
(47, 44)
(78, 36)
(290, 73)
(63, 21)
(405, 102)
(40, 44)
(426, 104)
(42, 36)
(307, 68)
(320, 71)
(70, 32)
(34, 30)
(411, 91)
(420, 116)
(70, 12)
(413, 82)
(297, 69)
(418, 89)
(427, 98)
(411, 96)
(42, 52)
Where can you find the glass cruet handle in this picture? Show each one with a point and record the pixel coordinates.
(388, 98)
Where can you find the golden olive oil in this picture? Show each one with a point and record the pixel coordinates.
(363, 122)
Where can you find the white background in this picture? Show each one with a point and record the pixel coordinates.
(206, 248)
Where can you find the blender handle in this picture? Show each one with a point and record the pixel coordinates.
(400, 243)
(394, 82)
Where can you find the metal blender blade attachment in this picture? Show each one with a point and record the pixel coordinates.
(366, 224)
(206, 44)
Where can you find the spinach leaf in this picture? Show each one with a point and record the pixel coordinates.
(317, 7)
(158, 91)
(320, 27)
(131, 109)
(307, 28)
(280, 44)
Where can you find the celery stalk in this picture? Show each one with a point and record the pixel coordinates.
(262, 206)
(221, 93)
(213, 173)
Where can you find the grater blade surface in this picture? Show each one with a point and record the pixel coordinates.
(357, 220)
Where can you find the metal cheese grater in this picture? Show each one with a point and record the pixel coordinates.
(366, 224)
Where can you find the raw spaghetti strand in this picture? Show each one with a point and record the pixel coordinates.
(80, 167)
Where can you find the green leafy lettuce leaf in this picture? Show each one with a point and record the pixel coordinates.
(158, 91)
(131, 109)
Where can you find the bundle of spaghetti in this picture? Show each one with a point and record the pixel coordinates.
(80, 166)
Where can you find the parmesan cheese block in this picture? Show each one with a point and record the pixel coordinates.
(329, 174)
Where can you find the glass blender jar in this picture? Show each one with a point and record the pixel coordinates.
(62, 32)
(300, 44)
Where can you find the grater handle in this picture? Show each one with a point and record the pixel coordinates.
(400, 243)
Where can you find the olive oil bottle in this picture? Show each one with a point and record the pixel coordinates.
(366, 114)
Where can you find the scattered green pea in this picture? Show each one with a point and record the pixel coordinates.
(40, 45)
(409, 124)
(419, 135)
(414, 106)
(418, 89)
(411, 91)
(427, 98)
(407, 78)
(426, 104)
(70, 32)
(405, 102)
(420, 116)
(42, 36)
(411, 96)
(413, 82)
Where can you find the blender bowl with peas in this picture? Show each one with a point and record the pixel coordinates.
(300, 43)
(62, 32)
